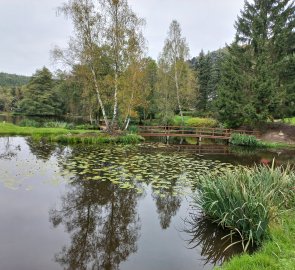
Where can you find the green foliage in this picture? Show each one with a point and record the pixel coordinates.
(86, 126)
(289, 121)
(64, 135)
(208, 68)
(29, 123)
(244, 140)
(275, 254)
(10, 80)
(194, 121)
(40, 97)
(55, 124)
(246, 200)
(201, 122)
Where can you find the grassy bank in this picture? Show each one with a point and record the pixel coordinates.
(257, 204)
(278, 253)
(64, 135)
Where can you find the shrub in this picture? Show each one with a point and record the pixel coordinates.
(86, 127)
(246, 200)
(194, 121)
(289, 121)
(244, 140)
(201, 122)
(29, 123)
(55, 124)
(133, 129)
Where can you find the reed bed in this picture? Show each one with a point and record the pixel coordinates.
(247, 200)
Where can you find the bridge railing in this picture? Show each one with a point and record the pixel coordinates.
(204, 131)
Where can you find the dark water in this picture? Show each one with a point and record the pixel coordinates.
(98, 207)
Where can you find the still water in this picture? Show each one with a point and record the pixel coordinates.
(107, 207)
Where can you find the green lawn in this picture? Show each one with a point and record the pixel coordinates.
(276, 254)
(67, 136)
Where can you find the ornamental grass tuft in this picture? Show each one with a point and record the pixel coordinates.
(246, 200)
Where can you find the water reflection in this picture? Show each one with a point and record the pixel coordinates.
(102, 222)
(8, 150)
(213, 241)
(167, 204)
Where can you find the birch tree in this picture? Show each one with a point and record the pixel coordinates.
(174, 58)
(107, 33)
(125, 40)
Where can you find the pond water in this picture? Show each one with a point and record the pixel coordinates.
(109, 207)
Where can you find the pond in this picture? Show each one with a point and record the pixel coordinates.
(110, 207)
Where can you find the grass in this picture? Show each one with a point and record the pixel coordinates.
(246, 200)
(64, 135)
(278, 253)
(290, 121)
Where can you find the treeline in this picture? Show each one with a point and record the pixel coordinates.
(12, 80)
(110, 78)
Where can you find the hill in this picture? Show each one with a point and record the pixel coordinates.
(9, 80)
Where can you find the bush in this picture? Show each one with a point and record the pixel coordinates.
(244, 140)
(194, 121)
(246, 200)
(133, 129)
(289, 121)
(29, 123)
(86, 127)
(55, 124)
(201, 122)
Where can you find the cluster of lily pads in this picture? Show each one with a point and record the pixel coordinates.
(137, 168)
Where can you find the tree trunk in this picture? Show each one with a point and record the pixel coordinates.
(115, 114)
(99, 99)
(177, 94)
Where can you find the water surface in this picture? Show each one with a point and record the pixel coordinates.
(108, 207)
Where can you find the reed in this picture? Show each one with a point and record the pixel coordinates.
(247, 200)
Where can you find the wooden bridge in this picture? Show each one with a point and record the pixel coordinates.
(191, 132)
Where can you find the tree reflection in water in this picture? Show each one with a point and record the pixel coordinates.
(43, 150)
(167, 206)
(103, 224)
(213, 240)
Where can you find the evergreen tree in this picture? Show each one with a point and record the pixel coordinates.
(265, 35)
(40, 97)
(267, 26)
(202, 66)
(235, 87)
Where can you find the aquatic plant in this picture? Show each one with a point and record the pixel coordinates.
(247, 200)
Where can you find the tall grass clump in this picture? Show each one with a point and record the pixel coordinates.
(244, 140)
(247, 200)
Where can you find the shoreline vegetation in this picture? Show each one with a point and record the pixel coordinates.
(63, 135)
(257, 204)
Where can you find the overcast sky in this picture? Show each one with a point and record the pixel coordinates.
(29, 29)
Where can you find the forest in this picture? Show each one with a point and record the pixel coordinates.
(109, 76)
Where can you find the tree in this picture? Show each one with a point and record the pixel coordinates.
(124, 38)
(234, 102)
(107, 40)
(39, 95)
(173, 61)
(267, 28)
(263, 53)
